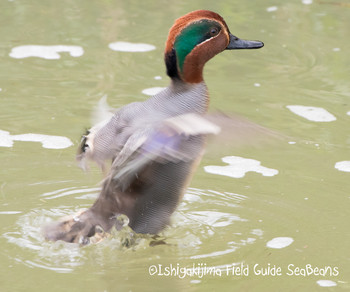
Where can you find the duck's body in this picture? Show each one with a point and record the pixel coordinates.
(155, 145)
(140, 118)
(150, 192)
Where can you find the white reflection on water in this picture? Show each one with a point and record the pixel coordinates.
(47, 141)
(152, 90)
(271, 8)
(326, 283)
(312, 113)
(306, 2)
(343, 166)
(279, 242)
(131, 47)
(45, 52)
(239, 166)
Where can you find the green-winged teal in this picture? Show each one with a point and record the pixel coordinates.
(155, 145)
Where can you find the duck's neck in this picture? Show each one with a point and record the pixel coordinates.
(189, 70)
(194, 97)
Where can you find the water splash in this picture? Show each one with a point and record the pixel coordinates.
(59, 257)
(196, 220)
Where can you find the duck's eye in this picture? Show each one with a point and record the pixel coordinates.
(214, 31)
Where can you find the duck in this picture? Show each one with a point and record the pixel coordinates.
(155, 145)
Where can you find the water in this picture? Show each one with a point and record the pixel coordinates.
(297, 85)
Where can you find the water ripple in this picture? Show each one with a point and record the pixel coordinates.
(197, 219)
(68, 192)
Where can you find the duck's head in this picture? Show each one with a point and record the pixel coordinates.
(194, 39)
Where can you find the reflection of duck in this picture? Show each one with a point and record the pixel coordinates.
(155, 145)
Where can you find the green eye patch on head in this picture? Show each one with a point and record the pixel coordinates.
(193, 35)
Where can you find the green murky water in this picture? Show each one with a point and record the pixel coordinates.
(223, 222)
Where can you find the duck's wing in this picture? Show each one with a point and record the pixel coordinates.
(98, 144)
(106, 138)
(102, 112)
(237, 131)
(171, 140)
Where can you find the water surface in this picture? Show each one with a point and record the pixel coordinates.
(297, 85)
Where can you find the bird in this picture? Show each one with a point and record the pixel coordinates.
(155, 145)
